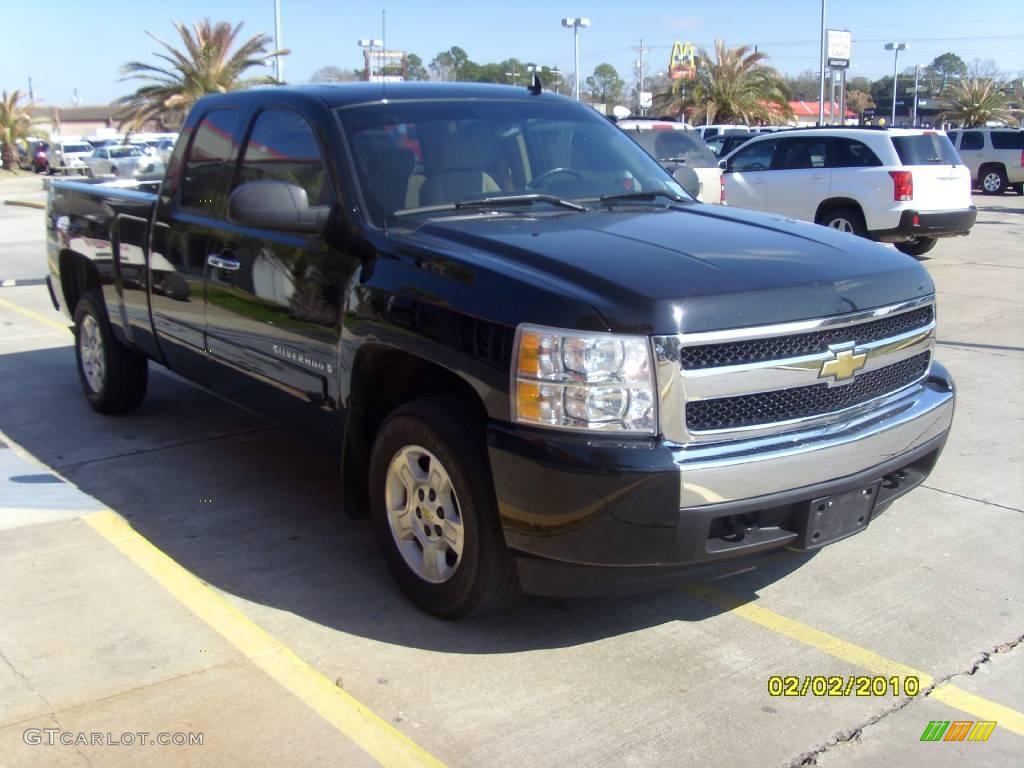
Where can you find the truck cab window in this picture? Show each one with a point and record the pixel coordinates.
(282, 146)
(209, 162)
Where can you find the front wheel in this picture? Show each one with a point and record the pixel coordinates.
(434, 512)
(919, 246)
(113, 377)
(848, 220)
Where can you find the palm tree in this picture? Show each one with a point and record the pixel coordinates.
(206, 65)
(734, 86)
(976, 101)
(15, 123)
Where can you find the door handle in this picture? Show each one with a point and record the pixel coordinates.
(219, 262)
(818, 177)
(758, 181)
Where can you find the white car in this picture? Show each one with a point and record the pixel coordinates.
(902, 186)
(121, 160)
(681, 152)
(994, 156)
(68, 156)
(707, 131)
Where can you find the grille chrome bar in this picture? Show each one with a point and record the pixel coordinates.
(907, 331)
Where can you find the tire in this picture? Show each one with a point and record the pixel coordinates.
(113, 377)
(992, 180)
(430, 438)
(844, 219)
(114, 171)
(88, 173)
(919, 246)
(1019, 189)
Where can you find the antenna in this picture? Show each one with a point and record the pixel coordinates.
(536, 86)
(383, 51)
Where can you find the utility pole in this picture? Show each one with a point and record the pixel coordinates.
(514, 75)
(278, 64)
(641, 68)
(31, 94)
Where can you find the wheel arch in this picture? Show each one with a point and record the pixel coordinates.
(383, 379)
(77, 275)
(830, 204)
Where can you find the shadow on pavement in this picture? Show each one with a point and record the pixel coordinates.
(253, 510)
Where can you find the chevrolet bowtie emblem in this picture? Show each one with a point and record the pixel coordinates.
(843, 365)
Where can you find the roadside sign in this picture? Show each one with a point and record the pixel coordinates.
(838, 45)
(682, 63)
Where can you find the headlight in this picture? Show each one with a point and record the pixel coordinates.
(583, 381)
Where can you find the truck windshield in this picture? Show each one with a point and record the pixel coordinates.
(424, 154)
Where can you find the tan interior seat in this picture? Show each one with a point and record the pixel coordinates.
(460, 174)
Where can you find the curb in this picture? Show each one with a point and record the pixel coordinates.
(26, 204)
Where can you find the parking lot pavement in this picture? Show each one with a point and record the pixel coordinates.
(931, 590)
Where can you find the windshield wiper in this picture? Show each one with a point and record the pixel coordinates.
(651, 195)
(496, 200)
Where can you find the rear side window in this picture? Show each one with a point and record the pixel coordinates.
(678, 146)
(754, 157)
(282, 146)
(925, 149)
(1007, 139)
(210, 161)
(801, 154)
(972, 140)
(850, 153)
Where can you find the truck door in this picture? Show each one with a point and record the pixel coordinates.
(274, 298)
(185, 232)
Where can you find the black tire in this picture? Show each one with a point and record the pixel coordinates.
(992, 180)
(114, 171)
(484, 579)
(1019, 189)
(919, 246)
(844, 219)
(121, 386)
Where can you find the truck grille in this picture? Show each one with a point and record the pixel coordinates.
(803, 402)
(782, 347)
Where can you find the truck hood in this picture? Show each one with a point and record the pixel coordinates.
(684, 269)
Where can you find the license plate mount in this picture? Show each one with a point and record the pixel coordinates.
(831, 518)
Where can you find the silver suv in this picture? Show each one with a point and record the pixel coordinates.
(995, 157)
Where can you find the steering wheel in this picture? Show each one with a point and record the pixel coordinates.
(540, 181)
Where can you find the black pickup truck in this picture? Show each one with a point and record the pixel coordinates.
(543, 366)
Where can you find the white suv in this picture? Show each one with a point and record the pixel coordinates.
(994, 156)
(902, 186)
(68, 156)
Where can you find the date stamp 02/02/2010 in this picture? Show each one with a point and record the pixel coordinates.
(836, 685)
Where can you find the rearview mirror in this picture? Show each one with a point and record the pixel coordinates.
(276, 204)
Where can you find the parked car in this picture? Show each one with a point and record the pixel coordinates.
(121, 160)
(724, 143)
(682, 153)
(543, 367)
(902, 186)
(994, 156)
(32, 155)
(707, 131)
(68, 156)
(164, 147)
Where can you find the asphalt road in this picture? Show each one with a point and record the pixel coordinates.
(94, 636)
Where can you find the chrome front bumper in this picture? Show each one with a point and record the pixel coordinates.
(713, 473)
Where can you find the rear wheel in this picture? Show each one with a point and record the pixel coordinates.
(845, 219)
(113, 377)
(918, 246)
(434, 512)
(992, 180)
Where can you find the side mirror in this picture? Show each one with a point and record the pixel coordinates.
(276, 204)
(688, 180)
(723, 165)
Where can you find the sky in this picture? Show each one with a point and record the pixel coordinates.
(65, 45)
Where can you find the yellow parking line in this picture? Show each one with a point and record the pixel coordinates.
(949, 694)
(33, 315)
(378, 738)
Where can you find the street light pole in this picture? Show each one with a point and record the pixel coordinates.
(575, 24)
(278, 64)
(917, 81)
(821, 86)
(895, 48)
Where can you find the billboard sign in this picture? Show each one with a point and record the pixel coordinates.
(838, 46)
